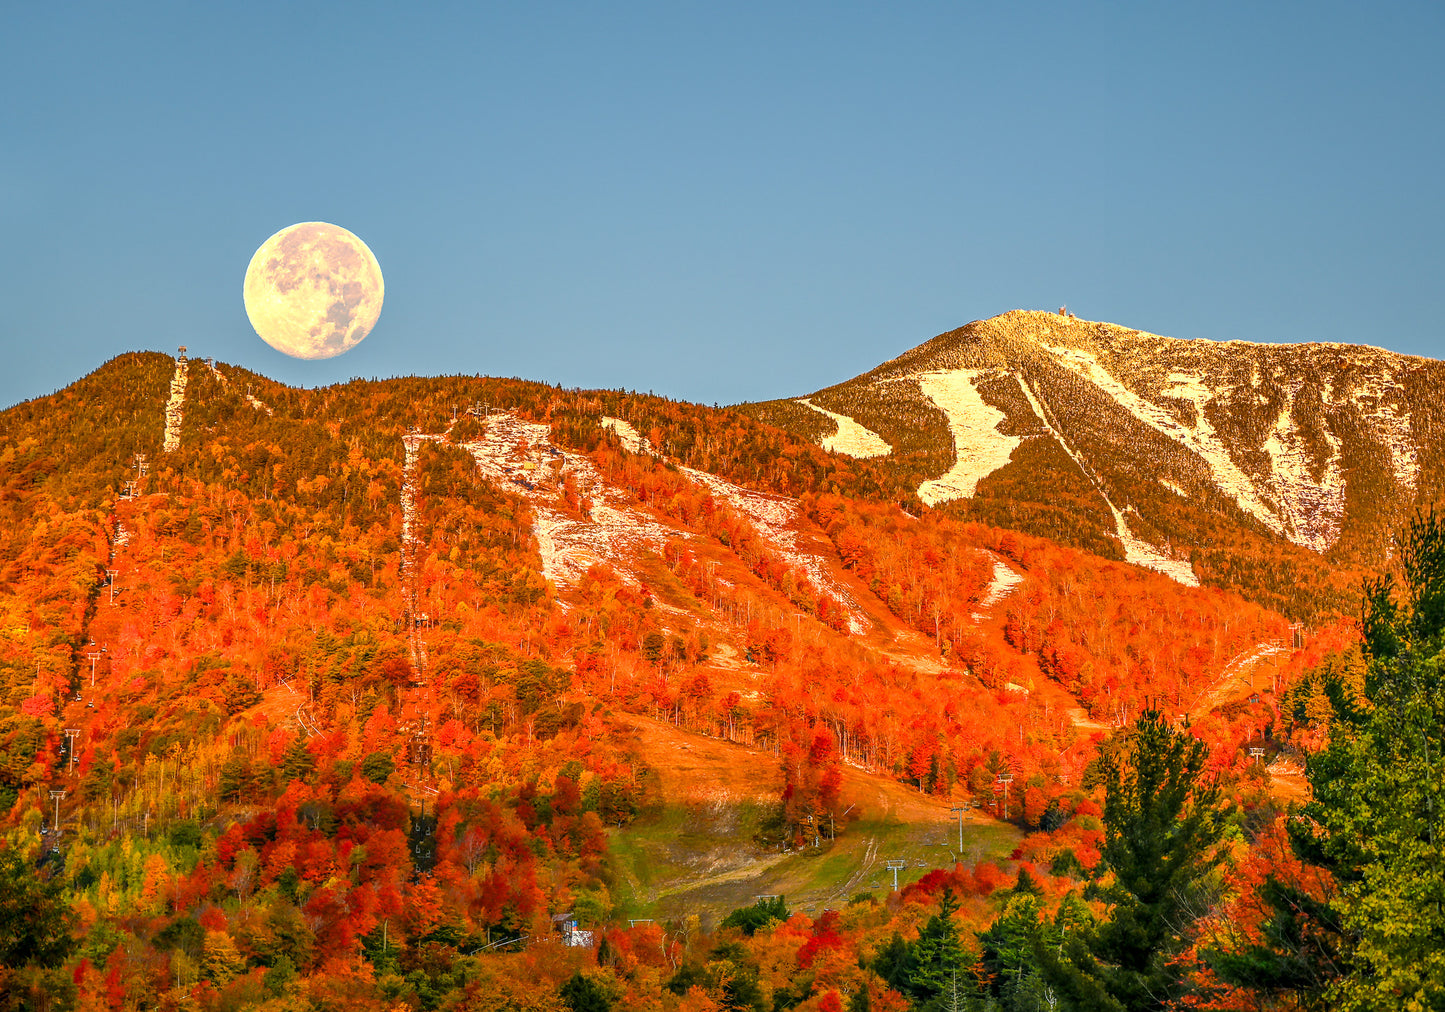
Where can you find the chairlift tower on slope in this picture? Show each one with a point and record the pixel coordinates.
(894, 866)
(1005, 779)
(71, 733)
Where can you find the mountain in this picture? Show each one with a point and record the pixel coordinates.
(1259, 467)
(380, 675)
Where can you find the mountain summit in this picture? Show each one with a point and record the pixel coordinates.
(1154, 449)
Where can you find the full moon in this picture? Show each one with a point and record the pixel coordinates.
(313, 290)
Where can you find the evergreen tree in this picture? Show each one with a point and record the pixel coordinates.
(1012, 946)
(1300, 951)
(1162, 822)
(750, 919)
(938, 954)
(378, 767)
(1009, 946)
(1377, 819)
(582, 994)
(894, 963)
(297, 763)
(35, 921)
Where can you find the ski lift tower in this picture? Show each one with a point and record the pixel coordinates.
(958, 812)
(893, 866)
(71, 733)
(1005, 779)
(55, 796)
(93, 655)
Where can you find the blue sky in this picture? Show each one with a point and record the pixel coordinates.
(717, 202)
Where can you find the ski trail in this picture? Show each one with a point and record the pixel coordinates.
(175, 407)
(1005, 579)
(851, 439)
(1138, 552)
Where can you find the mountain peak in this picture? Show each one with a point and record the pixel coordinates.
(1151, 448)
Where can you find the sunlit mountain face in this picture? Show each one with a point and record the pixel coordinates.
(1193, 458)
(410, 677)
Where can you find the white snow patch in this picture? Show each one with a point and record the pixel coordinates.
(979, 449)
(632, 440)
(776, 519)
(1177, 490)
(1201, 437)
(851, 438)
(1312, 510)
(1289, 499)
(1249, 657)
(1391, 427)
(1136, 551)
(411, 442)
(1005, 579)
(175, 407)
(519, 457)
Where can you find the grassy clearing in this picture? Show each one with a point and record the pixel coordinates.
(696, 853)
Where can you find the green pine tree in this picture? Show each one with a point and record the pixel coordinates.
(1009, 945)
(894, 963)
(582, 994)
(1377, 819)
(938, 954)
(35, 920)
(297, 763)
(1162, 824)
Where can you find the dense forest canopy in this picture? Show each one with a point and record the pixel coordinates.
(387, 694)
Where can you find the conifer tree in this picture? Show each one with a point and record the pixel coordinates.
(1377, 821)
(938, 954)
(1162, 822)
(35, 921)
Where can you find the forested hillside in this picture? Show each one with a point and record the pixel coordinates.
(334, 704)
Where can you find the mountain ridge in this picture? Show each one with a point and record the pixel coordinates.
(1094, 433)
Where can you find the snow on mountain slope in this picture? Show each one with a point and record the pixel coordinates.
(1376, 394)
(979, 448)
(1005, 579)
(1200, 437)
(1315, 444)
(1312, 508)
(777, 520)
(851, 438)
(1136, 551)
(520, 457)
(632, 440)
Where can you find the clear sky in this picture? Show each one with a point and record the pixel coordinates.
(717, 202)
